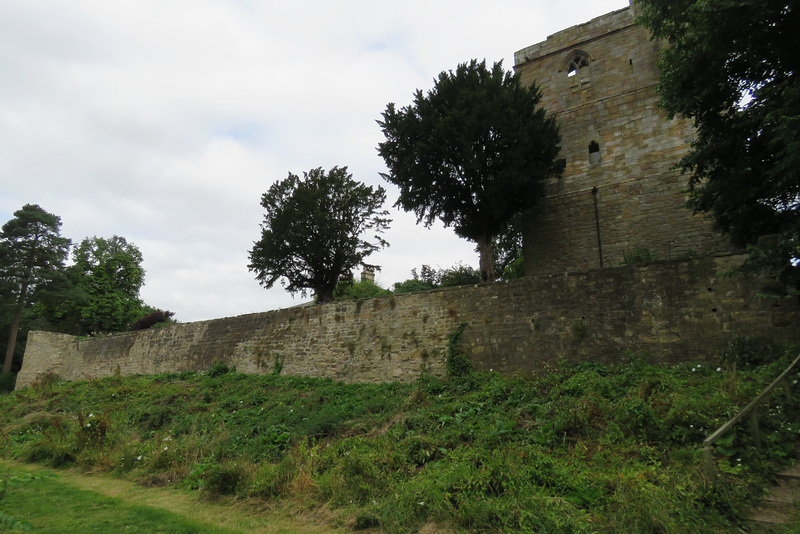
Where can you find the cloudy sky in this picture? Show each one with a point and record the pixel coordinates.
(163, 121)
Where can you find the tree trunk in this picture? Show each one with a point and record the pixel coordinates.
(325, 294)
(12, 337)
(486, 265)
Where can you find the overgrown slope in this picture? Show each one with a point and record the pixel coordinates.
(571, 448)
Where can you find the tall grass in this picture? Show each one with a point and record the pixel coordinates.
(571, 448)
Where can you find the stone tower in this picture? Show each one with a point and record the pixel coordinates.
(618, 192)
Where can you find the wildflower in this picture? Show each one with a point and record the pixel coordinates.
(165, 448)
(139, 458)
(719, 369)
(422, 503)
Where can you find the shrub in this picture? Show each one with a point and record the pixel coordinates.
(751, 352)
(152, 319)
(365, 289)
(218, 369)
(458, 365)
(638, 256)
(7, 382)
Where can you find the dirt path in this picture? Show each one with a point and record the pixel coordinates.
(224, 513)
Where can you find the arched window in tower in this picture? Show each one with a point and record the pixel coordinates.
(578, 69)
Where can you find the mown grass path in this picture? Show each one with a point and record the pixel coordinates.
(75, 502)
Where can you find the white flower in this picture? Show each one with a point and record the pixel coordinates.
(165, 448)
(719, 369)
(422, 503)
(139, 458)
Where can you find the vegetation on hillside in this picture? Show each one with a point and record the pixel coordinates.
(569, 448)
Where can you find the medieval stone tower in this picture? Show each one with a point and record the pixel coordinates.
(618, 192)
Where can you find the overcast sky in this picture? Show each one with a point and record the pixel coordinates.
(163, 121)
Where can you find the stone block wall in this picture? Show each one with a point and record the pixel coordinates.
(612, 106)
(667, 312)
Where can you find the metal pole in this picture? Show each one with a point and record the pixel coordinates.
(597, 224)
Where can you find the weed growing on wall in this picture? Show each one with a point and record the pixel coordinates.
(638, 256)
(570, 448)
(458, 364)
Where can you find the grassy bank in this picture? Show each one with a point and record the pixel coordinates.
(571, 448)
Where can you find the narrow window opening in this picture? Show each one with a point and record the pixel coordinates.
(578, 69)
(594, 152)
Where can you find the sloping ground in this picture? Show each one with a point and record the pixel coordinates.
(221, 512)
(779, 510)
(580, 448)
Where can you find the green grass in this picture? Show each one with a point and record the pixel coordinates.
(571, 448)
(50, 505)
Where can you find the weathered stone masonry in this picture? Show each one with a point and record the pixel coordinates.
(670, 311)
(599, 79)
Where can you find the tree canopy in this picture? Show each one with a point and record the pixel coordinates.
(472, 152)
(31, 251)
(109, 273)
(732, 67)
(313, 230)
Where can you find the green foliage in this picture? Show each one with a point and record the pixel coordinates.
(457, 275)
(364, 289)
(411, 285)
(569, 448)
(217, 369)
(458, 364)
(7, 382)
(313, 229)
(507, 250)
(730, 67)
(751, 352)
(31, 250)
(473, 152)
(108, 274)
(638, 256)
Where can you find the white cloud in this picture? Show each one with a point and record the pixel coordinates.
(165, 121)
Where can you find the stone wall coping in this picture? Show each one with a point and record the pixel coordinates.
(577, 35)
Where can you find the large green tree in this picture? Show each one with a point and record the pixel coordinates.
(313, 230)
(472, 152)
(108, 275)
(732, 67)
(31, 251)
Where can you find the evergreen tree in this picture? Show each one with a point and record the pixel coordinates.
(473, 152)
(31, 251)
